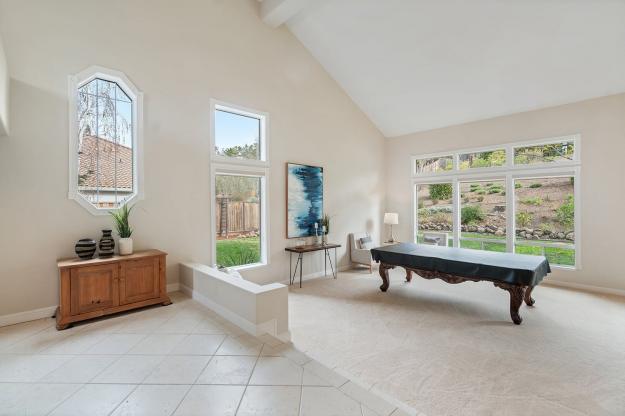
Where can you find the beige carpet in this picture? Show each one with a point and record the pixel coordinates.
(452, 349)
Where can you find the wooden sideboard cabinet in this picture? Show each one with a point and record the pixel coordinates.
(97, 287)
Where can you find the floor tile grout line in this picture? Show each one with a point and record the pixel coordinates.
(66, 399)
(208, 362)
(182, 399)
(124, 399)
(260, 350)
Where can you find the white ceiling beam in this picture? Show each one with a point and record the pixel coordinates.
(278, 12)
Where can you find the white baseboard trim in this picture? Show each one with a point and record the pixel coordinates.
(316, 275)
(268, 327)
(585, 288)
(18, 318)
(173, 287)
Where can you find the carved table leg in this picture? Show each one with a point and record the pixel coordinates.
(529, 300)
(516, 299)
(384, 275)
(408, 275)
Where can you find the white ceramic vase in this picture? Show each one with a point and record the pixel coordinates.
(125, 246)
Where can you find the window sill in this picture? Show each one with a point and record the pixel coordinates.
(249, 266)
(567, 268)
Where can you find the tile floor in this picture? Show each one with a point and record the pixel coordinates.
(182, 359)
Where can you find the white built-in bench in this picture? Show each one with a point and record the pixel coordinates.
(258, 309)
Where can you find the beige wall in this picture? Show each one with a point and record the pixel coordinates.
(601, 123)
(180, 54)
(4, 92)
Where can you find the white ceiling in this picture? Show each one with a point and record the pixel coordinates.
(415, 65)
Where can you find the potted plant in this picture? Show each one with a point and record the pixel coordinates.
(325, 228)
(123, 229)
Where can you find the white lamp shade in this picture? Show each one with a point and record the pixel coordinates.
(391, 218)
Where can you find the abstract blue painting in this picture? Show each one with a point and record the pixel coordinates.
(304, 199)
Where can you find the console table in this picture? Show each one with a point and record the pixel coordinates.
(300, 250)
(102, 286)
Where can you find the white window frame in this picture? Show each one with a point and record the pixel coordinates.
(74, 83)
(222, 165)
(509, 173)
(263, 144)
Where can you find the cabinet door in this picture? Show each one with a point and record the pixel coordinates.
(93, 288)
(139, 280)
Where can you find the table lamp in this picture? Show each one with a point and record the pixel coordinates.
(391, 218)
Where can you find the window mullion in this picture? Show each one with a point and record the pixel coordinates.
(510, 214)
(456, 211)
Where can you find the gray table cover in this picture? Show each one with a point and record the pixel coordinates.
(516, 269)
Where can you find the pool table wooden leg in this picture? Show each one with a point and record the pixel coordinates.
(516, 299)
(529, 300)
(408, 275)
(384, 268)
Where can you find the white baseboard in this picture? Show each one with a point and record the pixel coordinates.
(173, 287)
(48, 312)
(17, 318)
(268, 327)
(316, 275)
(585, 288)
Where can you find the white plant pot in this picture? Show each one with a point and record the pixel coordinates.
(125, 246)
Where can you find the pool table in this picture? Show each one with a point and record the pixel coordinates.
(518, 274)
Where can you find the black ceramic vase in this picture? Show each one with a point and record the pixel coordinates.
(107, 244)
(85, 248)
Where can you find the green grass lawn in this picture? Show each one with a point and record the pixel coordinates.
(555, 255)
(238, 251)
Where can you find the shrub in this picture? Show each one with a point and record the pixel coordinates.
(565, 214)
(545, 226)
(534, 200)
(517, 185)
(480, 198)
(471, 214)
(440, 191)
(420, 204)
(524, 219)
(494, 190)
(475, 187)
(536, 185)
(481, 192)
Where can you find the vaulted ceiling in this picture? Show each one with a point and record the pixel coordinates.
(414, 65)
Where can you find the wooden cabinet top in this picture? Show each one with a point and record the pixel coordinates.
(76, 262)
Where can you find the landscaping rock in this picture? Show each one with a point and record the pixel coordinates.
(499, 232)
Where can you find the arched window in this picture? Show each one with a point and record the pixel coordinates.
(105, 128)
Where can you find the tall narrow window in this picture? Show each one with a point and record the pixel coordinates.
(239, 172)
(104, 140)
(238, 219)
(483, 215)
(545, 218)
(434, 214)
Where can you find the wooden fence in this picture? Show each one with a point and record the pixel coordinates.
(237, 218)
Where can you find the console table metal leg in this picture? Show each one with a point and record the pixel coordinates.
(301, 266)
(294, 272)
(336, 264)
(325, 263)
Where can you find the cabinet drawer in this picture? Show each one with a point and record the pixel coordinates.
(93, 288)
